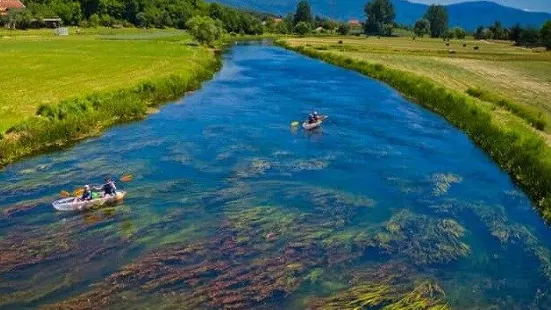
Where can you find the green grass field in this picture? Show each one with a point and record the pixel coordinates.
(520, 75)
(38, 67)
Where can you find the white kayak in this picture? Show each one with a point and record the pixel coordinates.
(72, 204)
(308, 126)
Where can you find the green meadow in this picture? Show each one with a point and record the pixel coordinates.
(41, 68)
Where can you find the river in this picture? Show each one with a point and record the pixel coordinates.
(231, 207)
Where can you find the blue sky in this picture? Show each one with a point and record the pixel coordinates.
(532, 5)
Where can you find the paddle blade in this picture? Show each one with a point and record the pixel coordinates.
(64, 194)
(295, 124)
(127, 178)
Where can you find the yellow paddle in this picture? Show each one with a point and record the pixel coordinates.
(79, 191)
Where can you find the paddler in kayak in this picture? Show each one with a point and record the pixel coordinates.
(316, 117)
(107, 189)
(311, 118)
(86, 194)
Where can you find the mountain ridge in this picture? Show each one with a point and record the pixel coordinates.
(468, 15)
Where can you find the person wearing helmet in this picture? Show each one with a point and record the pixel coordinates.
(108, 189)
(87, 194)
(316, 116)
(311, 118)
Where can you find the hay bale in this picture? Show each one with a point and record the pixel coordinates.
(464, 44)
(447, 43)
(476, 48)
(452, 52)
(341, 42)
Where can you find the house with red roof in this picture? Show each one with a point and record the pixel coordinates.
(5, 5)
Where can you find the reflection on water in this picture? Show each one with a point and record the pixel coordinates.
(385, 206)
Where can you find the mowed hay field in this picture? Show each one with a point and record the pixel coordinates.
(38, 67)
(518, 74)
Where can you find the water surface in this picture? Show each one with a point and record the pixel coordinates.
(230, 207)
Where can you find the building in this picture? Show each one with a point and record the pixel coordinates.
(354, 23)
(5, 5)
(356, 27)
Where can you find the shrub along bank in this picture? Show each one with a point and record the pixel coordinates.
(78, 118)
(513, 145)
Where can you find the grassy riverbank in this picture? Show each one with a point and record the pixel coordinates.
(56, 90)
(508, 137)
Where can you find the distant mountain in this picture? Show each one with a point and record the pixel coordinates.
(468, 15)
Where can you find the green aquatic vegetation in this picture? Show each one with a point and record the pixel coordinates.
(256, 254)
(422, 239)
(390, 287)
(503, 230)
(59, 246)
(443, 182)
(308, 165)
(24, 206)
(217, 272)
(254, 168)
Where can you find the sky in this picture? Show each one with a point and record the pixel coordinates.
(530, 5)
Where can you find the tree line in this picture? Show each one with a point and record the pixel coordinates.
(140, 13)
(381, 14)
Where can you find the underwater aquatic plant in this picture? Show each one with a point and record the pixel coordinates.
(389, 286)
(422, 239)
(443, 182)
(256, 167)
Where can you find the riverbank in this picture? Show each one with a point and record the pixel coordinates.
(510, 141)
(122, 75)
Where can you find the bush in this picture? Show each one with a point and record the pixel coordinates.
(302, 28)
(204, 30)
(343, 29)
(545, 35)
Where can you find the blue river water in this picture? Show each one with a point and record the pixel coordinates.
(232, 207)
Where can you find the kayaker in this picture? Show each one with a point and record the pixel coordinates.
(108, 188)
(87, 194)
(316, 116)
(311, 118)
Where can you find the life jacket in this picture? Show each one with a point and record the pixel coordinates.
(109, 188)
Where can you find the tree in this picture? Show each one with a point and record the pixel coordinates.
(303, 13)
(497, 31)
(302, 28)
(343, 29)
(282, 28)
(448, 34)
(380, 15)
(515, 32)
(481, 33)
(204, 29)
(545, 34)
(422, 27)
(529, 37)
(19, 18)
(437, 15)
(459, 33)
